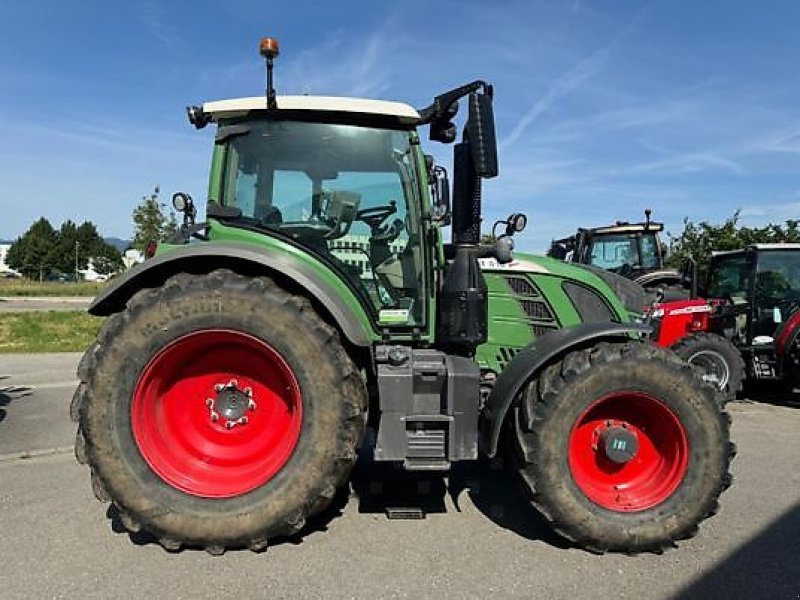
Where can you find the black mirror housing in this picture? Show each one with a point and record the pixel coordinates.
(481, 134)
(441, 195)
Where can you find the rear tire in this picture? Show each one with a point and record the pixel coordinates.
(717, 358)
(150, 439)
(664, 491)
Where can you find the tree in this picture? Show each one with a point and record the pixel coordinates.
(699, 240)
(152, 222)
(42, 250)
(62, 257)
(32, 253)
(106, 259)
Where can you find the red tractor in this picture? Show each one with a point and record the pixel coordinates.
(749, 324)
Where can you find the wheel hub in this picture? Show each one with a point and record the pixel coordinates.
(628, 451)
(231, 404)
(619, 443)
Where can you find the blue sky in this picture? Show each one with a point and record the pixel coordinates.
(602, 108)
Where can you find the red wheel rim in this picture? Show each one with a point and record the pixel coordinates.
(651, 475)
(175, 430)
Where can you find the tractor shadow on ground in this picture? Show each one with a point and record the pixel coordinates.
(496, 493)
(382, 488)
(775, 393)
(765, 566)
(9, 393)
(378, 487)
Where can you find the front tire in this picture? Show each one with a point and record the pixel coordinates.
(218, 411)
(717, 359)
(621, 447)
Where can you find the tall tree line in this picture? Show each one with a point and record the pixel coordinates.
(699, 240)
(43, 250)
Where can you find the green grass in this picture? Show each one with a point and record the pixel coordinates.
(26, 287)
(47, 331)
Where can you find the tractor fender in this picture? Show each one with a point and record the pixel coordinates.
(534, 357)
(785, 337)
(662, 277)
(244, 258)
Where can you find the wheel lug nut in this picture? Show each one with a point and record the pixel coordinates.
(219, 387)
(214, 417)
(229, 424)
(243, 420)
(210, 402)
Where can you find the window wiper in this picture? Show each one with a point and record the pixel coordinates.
(226, 133)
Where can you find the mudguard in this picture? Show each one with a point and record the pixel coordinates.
(663, 277)
(785, 338)
(532, 358)
(246, 258)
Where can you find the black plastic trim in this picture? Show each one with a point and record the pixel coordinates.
(532, 358)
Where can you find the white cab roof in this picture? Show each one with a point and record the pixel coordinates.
(241, 106)
(787, 246)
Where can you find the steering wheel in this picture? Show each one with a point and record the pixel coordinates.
(375, 215)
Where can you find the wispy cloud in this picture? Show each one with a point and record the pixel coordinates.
(359, 70)
(773, 212)
(574, 78)
(786, 140)
(156, 23)
(561, 87)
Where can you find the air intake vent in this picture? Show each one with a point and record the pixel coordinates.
(536, 310)
(539, 329)
(504, 355)
(521, 285)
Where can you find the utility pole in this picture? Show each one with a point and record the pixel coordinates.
(77, 244)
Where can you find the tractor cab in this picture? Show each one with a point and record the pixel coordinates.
(342, 179)
(343, 185)
(763, 282)
(633, 250)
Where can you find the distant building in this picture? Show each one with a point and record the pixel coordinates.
(354, 250)
(4, 268)
(132, 257)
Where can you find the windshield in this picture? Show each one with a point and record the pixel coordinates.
(625, 252)
(730, 277)
(345, 192)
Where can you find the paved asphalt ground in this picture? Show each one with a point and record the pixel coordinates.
(480, 541)
(29, 303)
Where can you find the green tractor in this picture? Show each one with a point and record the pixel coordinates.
(229, 390)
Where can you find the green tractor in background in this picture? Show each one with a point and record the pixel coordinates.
(230, 388)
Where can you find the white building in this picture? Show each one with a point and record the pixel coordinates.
(354, 250)
(132, 257)
(4, 268)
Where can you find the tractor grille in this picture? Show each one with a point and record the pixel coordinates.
(540, 315)
(540, 328)
(504, 355)
(536, 309)
(521, 285)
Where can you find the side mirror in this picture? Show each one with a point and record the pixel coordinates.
(482, 139)
(440, 186)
